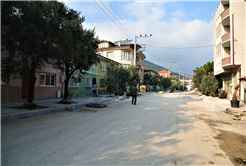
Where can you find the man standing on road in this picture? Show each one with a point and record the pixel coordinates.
(94, 90)
(134, 94)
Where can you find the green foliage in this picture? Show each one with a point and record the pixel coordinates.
(111, 81)
(209, 84)
(197, 77)
(165, 82)
(134, 76)
(123, 77)
(77, 47)
(173, 84)
(32, 30)
(208, 67)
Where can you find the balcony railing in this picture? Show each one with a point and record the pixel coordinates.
(225, 13)
(226, 61)
(226, 37)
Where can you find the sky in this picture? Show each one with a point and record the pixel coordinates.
(175, 27)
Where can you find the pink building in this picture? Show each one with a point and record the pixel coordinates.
(47, 84)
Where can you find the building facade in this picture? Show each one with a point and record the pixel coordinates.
(164, 73)
(122, 51)
(230, 44)
(47, 85)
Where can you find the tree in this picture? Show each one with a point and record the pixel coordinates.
(111, 81)
(123, 77)
(173, 84)
(32, 29)
(209, 84)
(197, 77)
(147, 80)
(77, 46)
(155, 81)
(166, 82)
(134, 76)
(208, 67)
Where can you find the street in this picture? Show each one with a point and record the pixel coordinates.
(162, 129)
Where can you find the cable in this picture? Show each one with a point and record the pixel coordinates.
(119, 16)
(110, 17)
(114, 16)
(182, 47)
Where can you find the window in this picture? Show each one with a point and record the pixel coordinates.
(93, 66)
(103, 45)
(73, 81)
(102, 82)
(110, 55)
(47, 79)
(125, 55)
(88, 81)
(3, 76)
(102, 66)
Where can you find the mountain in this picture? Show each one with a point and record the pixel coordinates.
(156, 67)
(153, 66)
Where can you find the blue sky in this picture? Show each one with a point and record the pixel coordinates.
(171, 23)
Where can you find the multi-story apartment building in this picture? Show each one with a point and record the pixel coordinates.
(122, 51)
(230, 41)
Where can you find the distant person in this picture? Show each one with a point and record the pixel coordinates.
(94, 90)
(134, 94)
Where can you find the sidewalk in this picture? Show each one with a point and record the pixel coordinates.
(49, 105)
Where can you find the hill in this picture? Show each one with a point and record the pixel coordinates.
(153, 66)
(156, 67)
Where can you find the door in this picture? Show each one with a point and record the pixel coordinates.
(94, 81)
(25, 88)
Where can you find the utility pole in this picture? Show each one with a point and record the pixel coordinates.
(135, 46)
(169, 70)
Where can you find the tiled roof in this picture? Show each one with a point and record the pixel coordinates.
(163, 71)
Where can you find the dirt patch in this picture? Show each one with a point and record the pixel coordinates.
(197, 93)
(233, 144)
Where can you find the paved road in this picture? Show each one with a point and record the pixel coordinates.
(161, 129)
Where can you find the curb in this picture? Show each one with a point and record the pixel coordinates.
(21, 115)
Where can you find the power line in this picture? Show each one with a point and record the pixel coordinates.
(114, 16)
(182, 47)
(110, 17)
(119, 15)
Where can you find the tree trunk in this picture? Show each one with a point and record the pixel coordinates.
(66, 89)
(29, 104)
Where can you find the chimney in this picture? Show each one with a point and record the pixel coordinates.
(119, 43)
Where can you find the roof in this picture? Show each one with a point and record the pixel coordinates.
(175, 76)
(124, 41)
(146, 69)
(163, 71)
(107, 59)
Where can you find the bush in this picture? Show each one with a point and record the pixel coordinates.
(118, 92)
(209, 84)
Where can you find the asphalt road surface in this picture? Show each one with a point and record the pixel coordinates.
(162, 129)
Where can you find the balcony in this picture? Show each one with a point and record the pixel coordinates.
(226, 62)
(226, 40)
(138, 63)
(225, 17)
